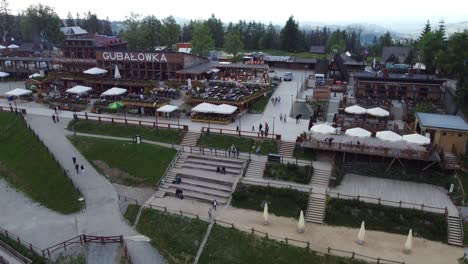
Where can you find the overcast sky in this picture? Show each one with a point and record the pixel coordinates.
(386, 12)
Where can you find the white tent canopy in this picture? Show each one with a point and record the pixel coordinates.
(323, 129)
(388, 136)
(167, 108)
(358, 132)
(114, 91)
(34, 75)
(13, 46)
(4, 74)
(18, 92)
(215, 109)
(377, 111)
(79, 89)
(117, 73)
(95, 71)
(2, 47)
(355, 109)
(417, 139)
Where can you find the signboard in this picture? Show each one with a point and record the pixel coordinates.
(132, 56)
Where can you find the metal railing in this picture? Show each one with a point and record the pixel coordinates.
(240, 133)
(131, 122)
(168, 168)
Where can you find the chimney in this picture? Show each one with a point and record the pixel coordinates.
(385, 73)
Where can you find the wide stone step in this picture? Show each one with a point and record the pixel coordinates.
(210, 168)
(205, 184)
(200, 197)
(199, 189)
(223, 179)
(227, 161)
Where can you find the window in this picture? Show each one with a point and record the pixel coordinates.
(460, 135)
(444, 133)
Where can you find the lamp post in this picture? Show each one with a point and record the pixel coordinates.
(292, 105)
(178, 118)
(156, 118)
(240, 128)
(274, 127)
(297, 91)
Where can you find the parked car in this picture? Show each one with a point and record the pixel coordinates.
(288, 76)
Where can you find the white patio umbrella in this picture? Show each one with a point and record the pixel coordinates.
(358, 132)
(265, 214)
(377, 111)
(2, 47)
(417, 139)
(95, 71)
(79, 89)
(114, 91)
(323, 129)
(34, 75)
(13, 46)
(301, 223)
(189, 83)
(388, 136)
(362, 234)
(117, 73)
(409, 241)
(4, 74)
(18, 92)
(355, 109)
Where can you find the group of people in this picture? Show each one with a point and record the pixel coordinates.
(275, 100)
(179, 193)
(234, 151)
(221, 169)
(260, 129)
(78, 168)
(283, 117)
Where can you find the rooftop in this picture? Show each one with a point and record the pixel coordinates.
(400, 52)
(399, 76)
(73, 31)
(452, 122)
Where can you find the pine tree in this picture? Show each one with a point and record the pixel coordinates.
(290, 36)
(202, 40)
(70, 22)
(427, 29)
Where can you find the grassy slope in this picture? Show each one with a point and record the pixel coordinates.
(231, 246)
(119, 130)
(145, 163)
(281, 202)
(245, 144)
(27, 165)
(131, 213)
(176, 237)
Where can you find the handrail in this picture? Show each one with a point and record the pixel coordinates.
(168, 168)
(144, 123)
(240, 133)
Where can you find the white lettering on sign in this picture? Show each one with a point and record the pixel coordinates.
(132, 56)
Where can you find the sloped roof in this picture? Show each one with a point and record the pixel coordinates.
(452, 122)
(73, 31)
(400, 52)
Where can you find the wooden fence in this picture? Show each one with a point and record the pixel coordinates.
(131, 122)
(241, 133)
(13, 109)
(20, 241)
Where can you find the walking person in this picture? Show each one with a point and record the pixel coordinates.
(210, 214)
(237, 151)
(77, 168)
(56, 110)
(57, 118)
(253, 128)
(284, 118)
(215, 203)
(74, 160)
(281, 117)
(82, 169)
(53, 118)
(260, 126)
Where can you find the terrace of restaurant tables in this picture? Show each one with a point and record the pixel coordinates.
(233, 93)
(210, 113)
(75, 99)
(372, 121)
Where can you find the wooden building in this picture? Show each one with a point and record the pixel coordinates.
(449, 132)
(417, 87)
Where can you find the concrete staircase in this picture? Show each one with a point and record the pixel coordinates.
(321, 177)
(190, 139)
(286, 148)
(316, 207)
(451, 161)
(255, 169)
(454, 230)
(200, 181)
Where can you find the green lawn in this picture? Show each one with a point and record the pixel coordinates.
(464, 181)
(305, 154)
(131, 213)
(120, 130)
(281, 201)
(177, 238)
(259, 105)
(288, 172)
(244, 144)
(465, 233)
(231, 246)
(351, 213)
(27, 165)
(126, 162)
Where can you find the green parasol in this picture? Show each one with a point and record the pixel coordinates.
(115, 105)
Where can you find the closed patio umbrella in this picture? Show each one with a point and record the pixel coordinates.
(301, 223)
(265, 214)
(361, 234)
(409, 242)
(117, 73)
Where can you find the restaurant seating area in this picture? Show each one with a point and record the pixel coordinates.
(228, 91)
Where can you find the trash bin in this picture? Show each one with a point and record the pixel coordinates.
(274, 158)
(137, 139)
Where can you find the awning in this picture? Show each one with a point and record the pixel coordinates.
(417, 139)
(377, 111)
(114, 91)
(388, 136)
(79, 89)
(95, 71)
(18, 92)
(355, 109)
(167, 109)
(13, 46)
(323, 129)
(358, 132)
(215, 109)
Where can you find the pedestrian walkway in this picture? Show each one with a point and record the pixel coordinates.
(286, 148)
(101, 216)
(190, 139)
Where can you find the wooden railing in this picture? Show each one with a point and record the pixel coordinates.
(241, 133)
(369, 150)
(81, 239)
(13, 109)
(13, 252)
(131, 122)
(22, 242)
